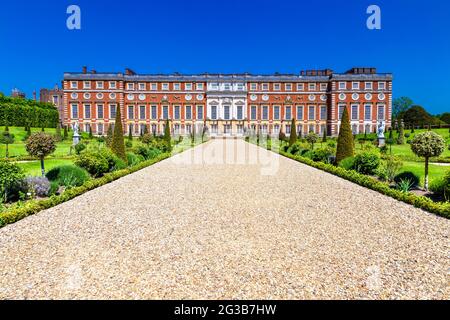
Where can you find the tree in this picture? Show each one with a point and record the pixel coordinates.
(40, 145)
(58, 132)
(6, 138)
(312, 138)
(390, 140)
(417, 115)
(445, 117)
(90, 132)
(324, 137)
(117, 142)
(109, 136)
(167, 136)
(66, 133)
(293, 135)
(6, 128)
(345, 146)
(10, 176)
(281, 136)
(426, 145)
(147, 139)
(400, 106)
(130, 133)
(43, 129)
(401, 134)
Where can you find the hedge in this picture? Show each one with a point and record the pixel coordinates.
(34, 206)
(20, 113)
(441, 209)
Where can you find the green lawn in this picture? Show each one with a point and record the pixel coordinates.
(33, 168)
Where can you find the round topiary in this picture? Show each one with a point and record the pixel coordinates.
(407, 175)
(41, 145)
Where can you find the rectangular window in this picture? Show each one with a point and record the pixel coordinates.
(240, 86)
(288, 113)
(154, 87)
(74, 85)
(99, 84)
(142, 112)
(312, 128)
(87, 85)
(226, 112)
(87, 111)
(299, 112)
(355, 112)
(100, 128)
(165, 86)
(288, 87)
(176, 111)
(323, 87)
(381, 85)
(176, 87)
(142, 86)
(323, 112)
(214, 112)
(253, 86)
(368, 85)
(355, 85)
(130, 86)
(311, 113)
(276, 87)
(154, 112)
(165, 112)
(276, 113)
(188, 86)
(199, 112)
(265, 113)
(227, 86)
(342, 85)
(265, 87)
(368, 112)
(112, 84)
(288, 129)
(300, 87)
(74, 111)
(253, 113)
(341, 111)
(240, 112)
(199, 86)
(130, 112)
(312, 87)
(381, 113)
(100, 111)
(188, 112)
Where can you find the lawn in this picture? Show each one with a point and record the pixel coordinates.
(418, 168)
(33, 168)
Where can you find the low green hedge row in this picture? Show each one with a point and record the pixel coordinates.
(441, 209)
(34, 206)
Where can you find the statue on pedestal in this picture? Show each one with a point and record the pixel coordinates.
(76, 135)
(380, 133)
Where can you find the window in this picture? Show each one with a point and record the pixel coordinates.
(142, 128)
(74, 85)
(188, 128)
(368, 85)
(312, 128)
(276, 113)
(380, 112)
(253, 112)
(240, 86)
(74, 111)
(87, 85)
(355, 129)
(142, 112)
(165, 112)
(299, 129)
(165, 86)
(199, 112)
(381, 85)
(322, 129)
(87, 127)
(55, 100)
(265, 113)
(288, 115)
(265, 87)
(253, 86)
(240, 128)
(299, 112)
(227, 86)
(112, 84)
(311, 113)
(226, 112)
(99, 84)
(130, 112)
(312, 87)
(142, 86)
(276, 87)
(188, 86)
(288, 129)
(100, 128)
(276, 129)
(342, 85)
(188, 112)
(112, 111)
(176, 128)
(154, 112)
(355, 85)
(199, 86)
(176, 112)
(323, 87)
(367, 112)
(288, 87)
(214, 86)
(214, 112)
(323, 112)
(154, 86)
(130, 86)
(300, 87)
(341, 111)
(240, 112)
(354, 112)
(176, 87)
(368, 128)
(87, 111)
(100, 111)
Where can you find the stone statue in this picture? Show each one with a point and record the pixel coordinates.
(76, 135)
(380, 133)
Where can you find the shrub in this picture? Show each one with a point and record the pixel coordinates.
(322, 154)
(40, 145)
(312, 138)
(393, 166)
(132, 159)
(295, 148)
(93, 163)
(114, 162)
(345, 146)
(367, 162)
(117, 143)
(405, 185)
(6, 138)
(408, 175)
(68, 175)
(38, 186)
(79, 148)
(347, 163)
(10, 177)
(332, 144)
(442, 186)
(129, 144)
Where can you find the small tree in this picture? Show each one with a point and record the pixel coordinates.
(281, 136)
(6, 138)
(109, 136)
(293, 135)
(167, 136)
(10, 176)
(6, 128)
(312, 138)
(40, 145)
(90, 132)
(66, 133)
(117, 142)
(401, 134)
(58, 132)
(130, 133)
(426, 145)
(43, 129)
(324, 137)
(345, 146)
(147, 139)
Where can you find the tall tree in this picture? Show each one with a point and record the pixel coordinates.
(345, 146)
(118, 143)
(401, 133)
(400, 105)
(66, 133)
(417, 115)
(293, 135)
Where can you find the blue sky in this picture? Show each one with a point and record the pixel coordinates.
(229, 36)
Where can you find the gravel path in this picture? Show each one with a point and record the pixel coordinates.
(215, 223)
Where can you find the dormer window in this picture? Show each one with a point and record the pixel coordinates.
(176, 87)
(154, 86)
(99, 84)
(199, 86)
(265, 86)
(323, 87)
(112, 84)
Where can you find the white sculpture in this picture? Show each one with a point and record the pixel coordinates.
(76, 135)
(381, 128)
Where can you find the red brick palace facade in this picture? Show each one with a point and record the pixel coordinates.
(229, 104)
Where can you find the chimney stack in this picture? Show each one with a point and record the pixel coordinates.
(84, 69)
(93, 71)
(34, 95)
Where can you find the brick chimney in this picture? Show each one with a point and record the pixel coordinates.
(34, 95)
(84, 69)
(93, 71)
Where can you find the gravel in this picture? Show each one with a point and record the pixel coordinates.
(213, 224)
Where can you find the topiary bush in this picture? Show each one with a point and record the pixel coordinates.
(38, 186)
(348, 163)
(79, 148)
(345, 147)
(367, 162)
(41, 145)
(322, 154)
(408, 175)
(93, 163)
(68, 176)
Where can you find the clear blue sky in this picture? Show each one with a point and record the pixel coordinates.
(229, 36)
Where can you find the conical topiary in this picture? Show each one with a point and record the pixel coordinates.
(293, 135)
(118, 143)
(345, 139)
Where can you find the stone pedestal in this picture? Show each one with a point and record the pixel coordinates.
(76, 138)
(381, 142)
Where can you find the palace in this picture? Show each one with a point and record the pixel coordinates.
(228, 104)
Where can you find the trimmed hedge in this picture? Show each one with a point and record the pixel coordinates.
(20, 113)
(34, 206)
(441, 209)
